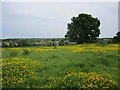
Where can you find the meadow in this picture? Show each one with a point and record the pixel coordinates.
(70, 66)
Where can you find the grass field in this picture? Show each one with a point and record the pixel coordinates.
(73, 66)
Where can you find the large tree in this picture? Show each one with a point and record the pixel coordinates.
(83, 28)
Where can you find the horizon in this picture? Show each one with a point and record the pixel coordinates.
(45, 38)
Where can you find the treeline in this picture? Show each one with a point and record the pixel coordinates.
(52, 41)
(33, 42)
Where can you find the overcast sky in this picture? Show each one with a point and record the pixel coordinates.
(49, 19)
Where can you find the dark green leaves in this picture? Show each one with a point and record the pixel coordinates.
(83, 28)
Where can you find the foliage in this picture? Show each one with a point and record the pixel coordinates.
(32, 42)
(83, 28)
(23, 42)
(25, 52)
(116, 38)
(13, 53)
(5, 44)
(55, 47)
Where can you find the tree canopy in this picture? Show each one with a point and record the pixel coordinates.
(83, 28)
(116, 38)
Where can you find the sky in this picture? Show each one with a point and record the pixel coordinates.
(50, 19)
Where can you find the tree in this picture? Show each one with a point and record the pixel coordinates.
(23, 42)
(83, 28)
(116, 38)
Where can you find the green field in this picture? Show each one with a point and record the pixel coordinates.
(72, 66)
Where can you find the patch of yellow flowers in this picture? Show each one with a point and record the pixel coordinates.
(75, 48)
(16, 70)
(30, 49)
(92, 47)
(84, 80)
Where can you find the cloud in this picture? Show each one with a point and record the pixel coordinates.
(50, 19)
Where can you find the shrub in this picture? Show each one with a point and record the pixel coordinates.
(26, 52)
(13, 53)
(116, 38)
(55, 47)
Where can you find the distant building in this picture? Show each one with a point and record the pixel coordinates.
(105, 41)
(72, 43)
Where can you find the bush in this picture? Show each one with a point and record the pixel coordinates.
(116, 39)
(13, 53)
(26, 52)
(55, 47)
